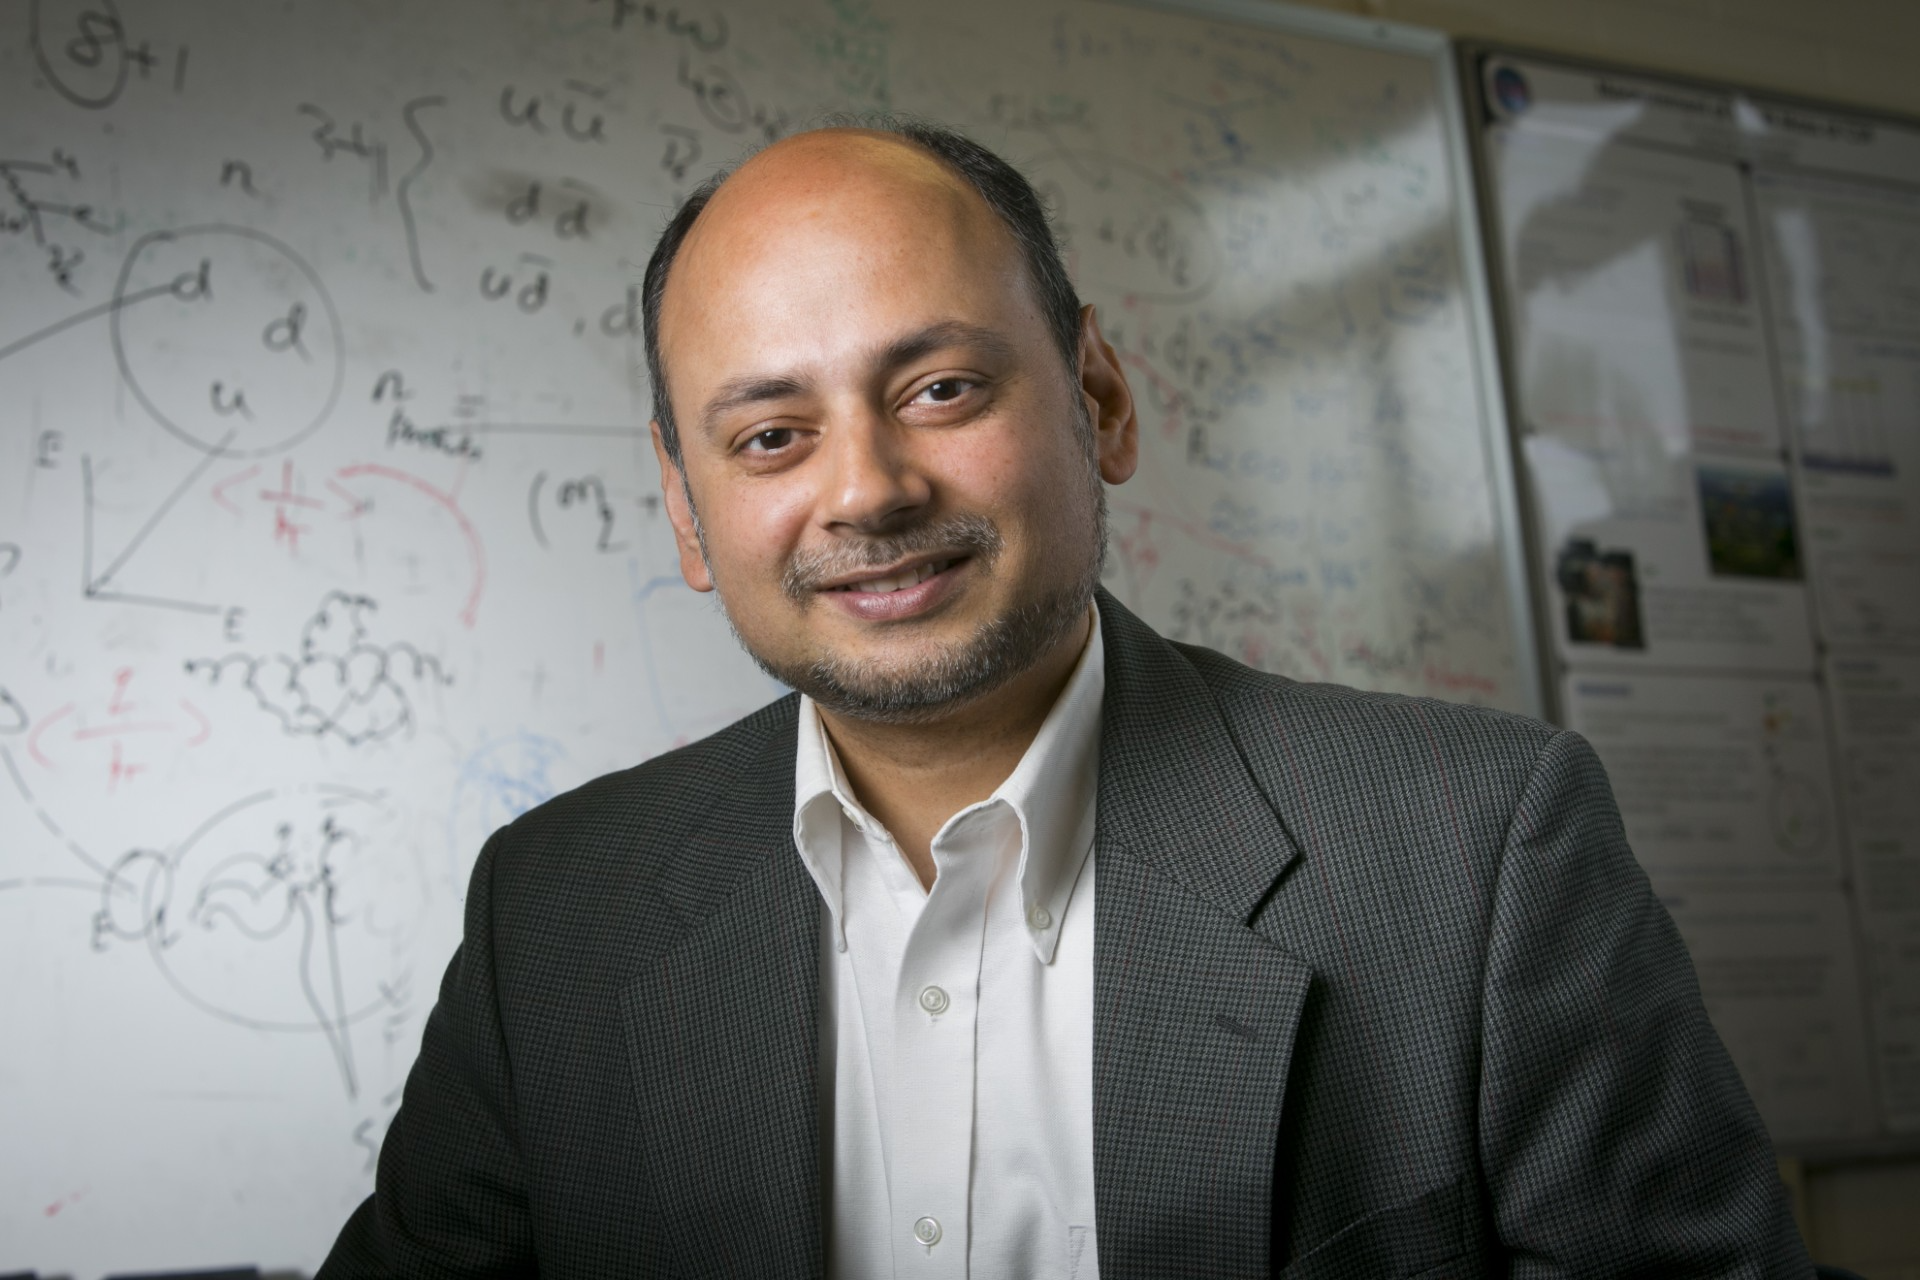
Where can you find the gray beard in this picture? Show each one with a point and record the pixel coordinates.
(923, 691)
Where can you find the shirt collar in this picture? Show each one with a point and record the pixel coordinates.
(1051, 792)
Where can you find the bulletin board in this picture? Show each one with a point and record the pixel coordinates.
(1709, 301)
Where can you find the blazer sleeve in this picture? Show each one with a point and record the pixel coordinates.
(1616, 1136)
(450, 1194)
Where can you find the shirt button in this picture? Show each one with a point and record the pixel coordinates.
(927, 1231)
(933, 1000)
(1040, 918)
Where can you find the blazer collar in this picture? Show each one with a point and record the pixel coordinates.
(1194, 1012)
(1175, 788)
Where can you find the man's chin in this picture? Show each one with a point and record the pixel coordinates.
(884, 692)
(925, 679)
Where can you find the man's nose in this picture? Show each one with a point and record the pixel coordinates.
(874, 478)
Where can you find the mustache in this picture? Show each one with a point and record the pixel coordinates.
(970, 535)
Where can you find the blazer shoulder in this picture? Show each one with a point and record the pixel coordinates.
(1360, 714)
(1335, 747)
(657, 804)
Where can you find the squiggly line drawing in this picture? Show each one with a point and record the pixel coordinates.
(338, 682)
(295, 878)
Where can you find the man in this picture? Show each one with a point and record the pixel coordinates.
(1022, 942)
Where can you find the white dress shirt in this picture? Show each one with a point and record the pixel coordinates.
(956, 1025)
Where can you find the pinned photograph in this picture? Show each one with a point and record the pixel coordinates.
(1602, 595)
(1748, 519)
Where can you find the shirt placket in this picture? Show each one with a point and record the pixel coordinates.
(935, 1024)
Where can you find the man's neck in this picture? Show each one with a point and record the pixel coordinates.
(913, 777)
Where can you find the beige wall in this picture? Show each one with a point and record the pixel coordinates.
(1864, 52)
(1844, 51)
(1866, 1217)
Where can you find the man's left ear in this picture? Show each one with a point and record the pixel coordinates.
(1116, 429)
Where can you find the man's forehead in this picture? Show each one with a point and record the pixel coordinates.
(822, 162)
(861, 188)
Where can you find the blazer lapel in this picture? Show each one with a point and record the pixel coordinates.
(1194, 1012)
(722, 1032)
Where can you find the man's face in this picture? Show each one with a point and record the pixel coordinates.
(895, 479)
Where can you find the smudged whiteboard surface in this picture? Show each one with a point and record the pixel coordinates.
(330, 538)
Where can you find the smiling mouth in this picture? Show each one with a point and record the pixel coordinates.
(909, 577)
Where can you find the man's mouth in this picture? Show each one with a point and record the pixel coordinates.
(911, 576)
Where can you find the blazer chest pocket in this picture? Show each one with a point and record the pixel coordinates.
(1424, 1237)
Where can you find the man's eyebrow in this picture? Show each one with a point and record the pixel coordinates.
(738, 393)
(936, 337)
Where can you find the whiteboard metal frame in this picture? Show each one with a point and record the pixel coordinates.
(1497, 438)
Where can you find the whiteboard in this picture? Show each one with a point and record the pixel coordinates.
(331, 539)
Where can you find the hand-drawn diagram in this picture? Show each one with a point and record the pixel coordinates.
(240, 351)
(336, 682)
(231, 343)
(288, 910)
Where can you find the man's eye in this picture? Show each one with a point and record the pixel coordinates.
(770, 440)
(944, 390)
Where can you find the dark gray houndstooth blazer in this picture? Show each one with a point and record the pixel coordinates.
(1379, 991)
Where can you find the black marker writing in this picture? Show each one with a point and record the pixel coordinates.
(707, 36)
(354, 141)
(238, 172)
(286, 333)
(391, 384)
(683, 150)
(226, 403)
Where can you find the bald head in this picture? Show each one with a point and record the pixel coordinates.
(830, 164)
(860, 187)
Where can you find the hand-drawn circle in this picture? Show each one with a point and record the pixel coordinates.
(1128, 228)
(104, 9)
(249, 878)
(166, 284)
(13, 716)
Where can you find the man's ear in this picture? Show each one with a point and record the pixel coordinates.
(673, 491)
(1116, 428)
